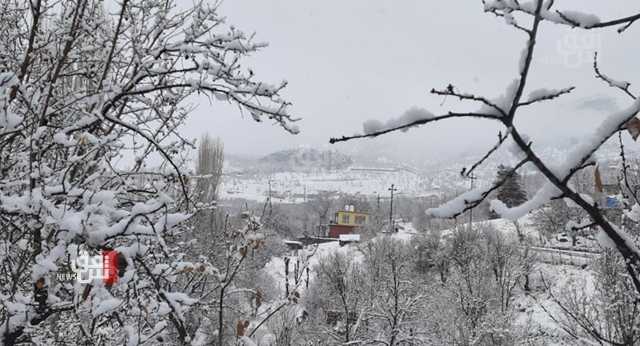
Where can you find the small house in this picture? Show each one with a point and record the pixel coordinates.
(350, 217)
(347, 221)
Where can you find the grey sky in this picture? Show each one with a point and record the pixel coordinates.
(349, 61)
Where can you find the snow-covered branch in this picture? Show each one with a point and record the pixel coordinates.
(87, 98)
(450, 91)
(572, 18)
(505, 109)
(622, 85)
(470, 199)
(545, 95)
(374, 128)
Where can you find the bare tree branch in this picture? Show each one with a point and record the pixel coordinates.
(451, 91)
(501, 139)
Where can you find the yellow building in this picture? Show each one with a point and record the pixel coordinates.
(349, 217)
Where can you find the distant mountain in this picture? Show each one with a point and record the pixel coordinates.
(446, 169)
(304, 159)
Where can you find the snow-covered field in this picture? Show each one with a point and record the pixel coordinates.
(294, 187)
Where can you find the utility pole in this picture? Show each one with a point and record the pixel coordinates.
(391, 223)
(473, 179)
(286, 275)
(270, 205)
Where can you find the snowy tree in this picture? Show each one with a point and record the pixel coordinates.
(599, 308)
(339, 300)
(505, 109)
(473, 305)
(88, 101)
(510, 263)
(209, 168)
(553, 218)
(432, 255)
(395, 314)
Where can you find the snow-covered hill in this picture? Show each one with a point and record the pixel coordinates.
(304, 159)
(290, 176)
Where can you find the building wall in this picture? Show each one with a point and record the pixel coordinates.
(351, 218)
(336, 230)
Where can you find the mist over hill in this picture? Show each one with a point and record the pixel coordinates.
(371, 154)
(305, 159)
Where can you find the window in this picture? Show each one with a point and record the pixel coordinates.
(345, 218)
(360, 219)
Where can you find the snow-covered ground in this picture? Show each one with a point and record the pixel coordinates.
(315, 253)
(295, 187)
(535, 311)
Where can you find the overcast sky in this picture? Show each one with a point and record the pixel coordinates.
(349, 61)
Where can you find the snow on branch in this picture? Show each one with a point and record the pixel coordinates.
(542, 196)
(545, 94)
(411, 116)
(573, 18)
(460, 204)
(515, 90)
(576, 159)
(504, 110)
(505, 8)
(8, 120)
(505, 102)
(90, 90)
(622, 85)
(582, 152)
(374, 128)
(470, 199)
(450, 91)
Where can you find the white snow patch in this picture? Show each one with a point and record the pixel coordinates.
(412, 115)
(106, 305)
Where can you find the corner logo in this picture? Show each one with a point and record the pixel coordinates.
(104, 266)
(577, 49)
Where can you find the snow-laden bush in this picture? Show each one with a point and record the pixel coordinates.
(90, 98)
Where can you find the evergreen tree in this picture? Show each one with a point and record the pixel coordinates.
(511, 192)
